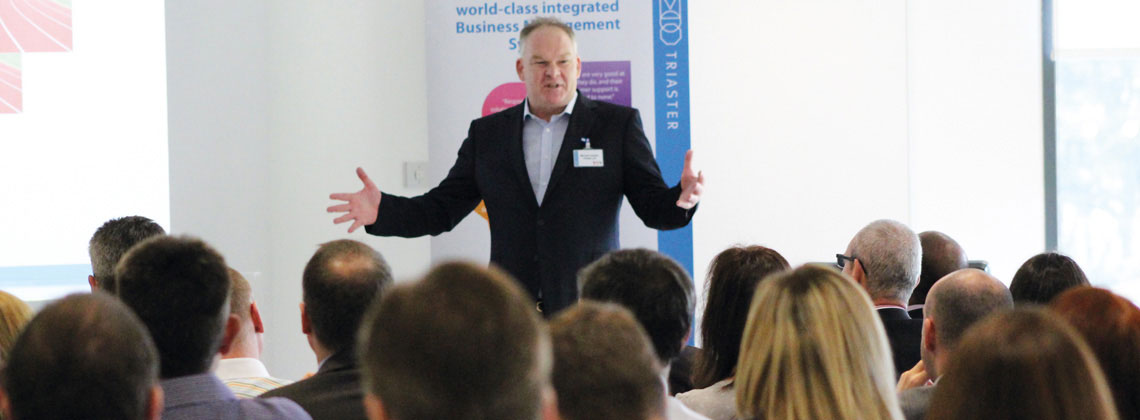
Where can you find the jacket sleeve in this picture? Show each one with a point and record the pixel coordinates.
(654, 202)
(436, 211)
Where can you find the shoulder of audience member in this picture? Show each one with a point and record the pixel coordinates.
(272, 408)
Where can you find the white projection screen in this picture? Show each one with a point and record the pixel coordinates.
(83, 133)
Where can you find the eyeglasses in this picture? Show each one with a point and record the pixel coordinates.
(840, 258)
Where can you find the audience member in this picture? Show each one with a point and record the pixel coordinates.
(1110, 324)
(179, 287)
(956, 302)
(241, 368)
(941, 255)
(464, 343)
(340, 281)
(14, 314)
(83, 357)
(658, 292)
(604, 366)
(1022, 364)
(813, 349)
(110, 242)
(733, 276)
(885, 259)
(1044, 276)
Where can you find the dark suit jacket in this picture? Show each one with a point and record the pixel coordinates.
(905, 336)
(544, 246)
(333, 393)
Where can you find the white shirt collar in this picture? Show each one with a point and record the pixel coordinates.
(569, 107)
(240, 367)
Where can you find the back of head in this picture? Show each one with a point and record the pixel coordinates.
(961, 299)
(941, 255)
(85, 356)
(1110, 324)
(604, 366)
(241, 295)
(733, 276)
(464, 343)
(891, 254)
(1045, 276)
(180, 289)
(652, 286)
(814, 349)
(1041, 370)
(114, 239)
(14, 314)
(341, 279)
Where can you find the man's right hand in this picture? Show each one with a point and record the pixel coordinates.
(914, 378)
(361, 206)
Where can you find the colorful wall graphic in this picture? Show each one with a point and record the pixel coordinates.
(28, 26)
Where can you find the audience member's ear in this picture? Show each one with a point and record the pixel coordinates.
(374, 407)
(550, 404)
(858, 274)
(233, 327)
(305, 327)
(155, 403)
(5, 406)
(93, 283)
(929, 338)
(255, 316)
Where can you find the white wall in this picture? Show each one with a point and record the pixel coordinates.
(810, 119)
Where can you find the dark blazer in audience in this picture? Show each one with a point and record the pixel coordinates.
(333, 393)
(904, 335)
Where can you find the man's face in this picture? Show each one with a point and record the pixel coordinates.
(550, 68)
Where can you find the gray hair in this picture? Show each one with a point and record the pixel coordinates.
(892, 257)
(542, 21)
(112, 240)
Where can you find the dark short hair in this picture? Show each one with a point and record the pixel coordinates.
(84, 356)
(112, 240)
(941, 255)
(463, 343)
(1110, 324)
(180, 289)
(1045, 276)
(733, 276)
(1023, 363)
(341, 279)
(604, 365)
(652, 286)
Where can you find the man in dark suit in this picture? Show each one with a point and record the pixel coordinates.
(341, 279)
(884, 258)
(552, 172)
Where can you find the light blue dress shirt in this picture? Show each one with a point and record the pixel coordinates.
(541, 142)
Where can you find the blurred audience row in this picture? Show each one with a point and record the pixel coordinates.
(898, 327)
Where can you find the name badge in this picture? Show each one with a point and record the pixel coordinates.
(588, 158)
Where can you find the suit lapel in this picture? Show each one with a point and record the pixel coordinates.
(581, 120)
(515, 151)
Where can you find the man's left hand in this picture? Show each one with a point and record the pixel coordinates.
(692, 184)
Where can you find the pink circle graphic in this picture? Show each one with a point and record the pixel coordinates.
(504, 96)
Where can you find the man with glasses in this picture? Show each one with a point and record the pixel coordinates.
(885, 258)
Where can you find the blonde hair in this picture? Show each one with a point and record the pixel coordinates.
(814, 349)
(14, 314)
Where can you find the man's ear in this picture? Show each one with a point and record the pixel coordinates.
(154, 403)
(374, 407)
(519, 68)
(306, 328)
(255, 316)
(929, 337)
(858, 274)
(233, 327)
(93, 283)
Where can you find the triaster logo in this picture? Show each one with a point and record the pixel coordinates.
(670, 21)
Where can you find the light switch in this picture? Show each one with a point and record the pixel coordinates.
(415, 174)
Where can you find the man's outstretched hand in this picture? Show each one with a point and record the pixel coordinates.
(361, 206)
(692, 184)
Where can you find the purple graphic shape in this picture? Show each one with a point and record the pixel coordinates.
(607, 81)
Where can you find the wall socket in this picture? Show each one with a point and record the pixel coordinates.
(415, 174)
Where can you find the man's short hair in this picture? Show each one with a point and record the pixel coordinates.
(891, 254)
(542, 21)
(604, 365)
(463, 343)
(1044, 276)
(112, 240)
(341, 279)
(941, 255)
(963, 298)
(180, 289)
(652, 286)
(241, 294)
(84, 356)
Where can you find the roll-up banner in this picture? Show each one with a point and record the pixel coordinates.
(634, 53)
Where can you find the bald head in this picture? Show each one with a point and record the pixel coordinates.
(891, 255)
(962, 298)
(941, 255)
